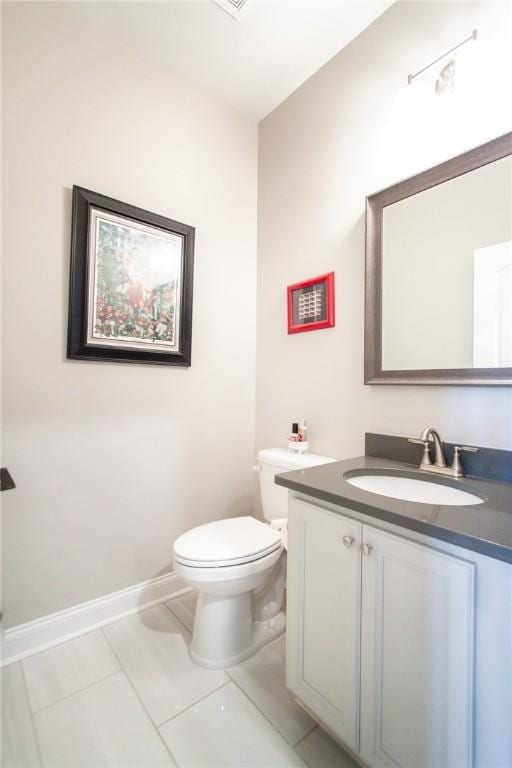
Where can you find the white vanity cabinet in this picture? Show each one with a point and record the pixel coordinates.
(417, 636)
(380, 637)
(324, 616)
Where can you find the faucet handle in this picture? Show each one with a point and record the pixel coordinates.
(456, 463)
(426, 455)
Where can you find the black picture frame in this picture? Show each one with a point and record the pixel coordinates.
(84, 344)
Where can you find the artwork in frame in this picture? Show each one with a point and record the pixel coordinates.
(311, 304)
(130, 297)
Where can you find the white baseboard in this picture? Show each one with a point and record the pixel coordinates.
(34, 636)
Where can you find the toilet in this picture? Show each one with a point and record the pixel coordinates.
(238, 567)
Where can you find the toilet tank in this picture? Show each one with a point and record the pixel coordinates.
(273, 461)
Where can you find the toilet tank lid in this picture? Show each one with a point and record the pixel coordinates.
(283, 459)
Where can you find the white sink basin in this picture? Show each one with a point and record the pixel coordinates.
(410, 489)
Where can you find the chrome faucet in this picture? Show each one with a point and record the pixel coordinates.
(439, 466)
(439, 457)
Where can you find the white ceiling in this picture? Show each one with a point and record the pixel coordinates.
(253, 62)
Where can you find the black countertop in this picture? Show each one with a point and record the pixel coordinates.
(484, 528)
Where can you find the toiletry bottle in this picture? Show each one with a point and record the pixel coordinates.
(293, 440)
(303, 436)
(303, 431)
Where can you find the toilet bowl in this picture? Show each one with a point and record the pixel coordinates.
(238, 567)
(234, 565)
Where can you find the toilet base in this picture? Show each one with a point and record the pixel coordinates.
(263, 632)
(236, 613)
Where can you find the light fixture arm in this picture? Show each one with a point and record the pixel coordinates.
(473, 36)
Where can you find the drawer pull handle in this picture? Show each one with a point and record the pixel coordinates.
(348, 540)
(366, 549)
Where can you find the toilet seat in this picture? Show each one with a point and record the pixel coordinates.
(225, 543)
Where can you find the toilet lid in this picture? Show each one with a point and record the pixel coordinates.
(226, 542)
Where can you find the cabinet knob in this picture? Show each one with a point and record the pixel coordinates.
(348, 540)
(366, 549)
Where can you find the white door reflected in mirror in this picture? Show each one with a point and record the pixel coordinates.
(492, 306)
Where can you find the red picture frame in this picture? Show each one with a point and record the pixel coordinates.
(311, 304)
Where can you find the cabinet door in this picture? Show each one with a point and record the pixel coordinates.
(416, 655)
(323, 609)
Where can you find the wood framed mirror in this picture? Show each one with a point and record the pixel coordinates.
(438, 301)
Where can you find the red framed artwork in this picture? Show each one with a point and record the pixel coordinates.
(311, 304)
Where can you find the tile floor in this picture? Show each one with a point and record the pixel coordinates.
(128, 695)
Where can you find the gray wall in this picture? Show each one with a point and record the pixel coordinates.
(112, 462)
(346, 133)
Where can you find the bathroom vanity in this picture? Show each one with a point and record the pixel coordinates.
(399, 628)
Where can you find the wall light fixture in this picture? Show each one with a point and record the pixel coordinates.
(445, 81)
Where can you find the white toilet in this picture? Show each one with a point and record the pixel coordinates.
(238, 567)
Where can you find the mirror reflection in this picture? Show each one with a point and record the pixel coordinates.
(447, 274)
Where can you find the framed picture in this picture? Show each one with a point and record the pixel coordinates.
(130, 295)
(311, 304)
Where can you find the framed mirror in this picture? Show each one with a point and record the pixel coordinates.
(438, 304)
